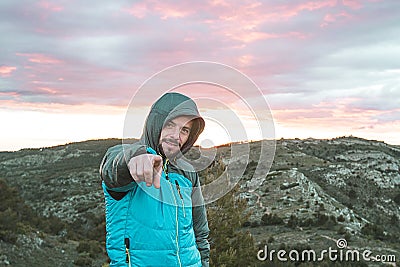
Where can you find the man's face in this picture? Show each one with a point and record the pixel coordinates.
(175, 134)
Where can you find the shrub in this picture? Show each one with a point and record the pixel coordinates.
(373, 230)
(8, 220)
(229, 244)
(341, 230)
(89, 247)
(83, 260)
(293, 221)
(397, 199)
(271, 219)
(341, 218)
(352, 194)
(8, 236)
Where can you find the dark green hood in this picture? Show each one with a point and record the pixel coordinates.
(166, 108)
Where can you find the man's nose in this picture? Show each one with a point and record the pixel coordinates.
(175, 133)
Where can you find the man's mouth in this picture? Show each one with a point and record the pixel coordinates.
(171, 142)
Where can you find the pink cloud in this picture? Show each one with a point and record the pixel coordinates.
(246, 22)
(50, 6)
(39, 58)
(294, 116)
(353, 4)
(324, 118)
(245, 60)
(332, 18)
(59, 107)
(313, 5)
(138, 10)
(325, 123)
(47, 90)
(340, 114)
(172, 12)
(219, 3)
(6, 71)
(9, 94)
(164, 9)
(250, 37)
(293, 10)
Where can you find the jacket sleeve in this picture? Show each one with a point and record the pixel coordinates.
(114, 169)
(200, 224)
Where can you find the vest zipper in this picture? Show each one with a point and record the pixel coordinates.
(126, 239)
(180, 195)
(165, 169)
(176, 212)
(128, 256)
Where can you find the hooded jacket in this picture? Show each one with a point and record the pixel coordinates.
(156, 227)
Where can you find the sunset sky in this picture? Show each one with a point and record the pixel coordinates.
(69, 69)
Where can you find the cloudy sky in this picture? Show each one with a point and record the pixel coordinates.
(69, 69)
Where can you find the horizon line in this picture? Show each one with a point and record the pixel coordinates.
(219, 145)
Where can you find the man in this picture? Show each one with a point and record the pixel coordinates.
(155, 215)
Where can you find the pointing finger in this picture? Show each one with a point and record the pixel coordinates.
(157, 164)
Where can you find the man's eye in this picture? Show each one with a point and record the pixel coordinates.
(169, 125)
(185, 131)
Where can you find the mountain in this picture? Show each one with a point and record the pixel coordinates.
(316, 192)
(319, 191)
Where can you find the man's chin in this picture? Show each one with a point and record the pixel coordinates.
(170, 151)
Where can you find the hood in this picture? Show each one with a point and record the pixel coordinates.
(166, 108)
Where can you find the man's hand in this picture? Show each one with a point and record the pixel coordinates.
(146, 168)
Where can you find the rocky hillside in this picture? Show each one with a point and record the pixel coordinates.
(321, 190)
(61, 183)
(316, 192)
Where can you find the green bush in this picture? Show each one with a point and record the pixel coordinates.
(54, 225)
(83, 260)
(89, 247)
(341, 218)
(229, 245)
(8, 220)
(293, 221)
(8, 236)
(18, 218)
(397, 199)
(373, 230)
(271, 219)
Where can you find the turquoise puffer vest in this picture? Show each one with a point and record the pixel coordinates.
(152, 227)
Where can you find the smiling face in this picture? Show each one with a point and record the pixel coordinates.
(174, 135)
